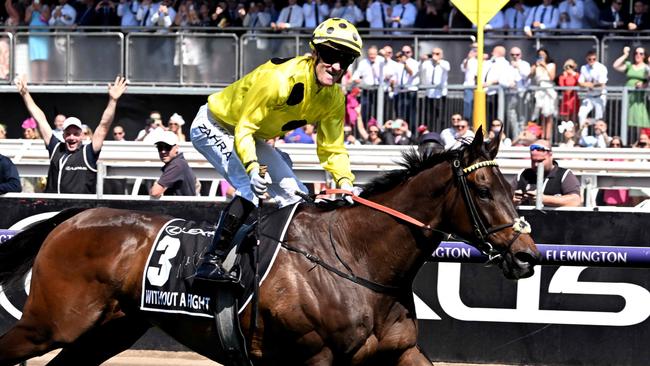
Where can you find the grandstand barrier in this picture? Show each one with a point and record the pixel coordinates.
(563, 315)
(596, 168)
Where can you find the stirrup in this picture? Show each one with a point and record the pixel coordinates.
(212, 270)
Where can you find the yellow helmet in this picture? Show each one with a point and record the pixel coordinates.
(340, 32)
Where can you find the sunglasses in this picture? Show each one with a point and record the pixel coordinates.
(536, 147)
(118, 133)
(331, 56)
(162, 147)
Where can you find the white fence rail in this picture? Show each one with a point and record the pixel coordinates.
(597, 168)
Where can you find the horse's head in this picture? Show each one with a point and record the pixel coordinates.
(484, 213)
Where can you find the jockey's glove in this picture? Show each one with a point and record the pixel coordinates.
(259, 184)
(354, 190)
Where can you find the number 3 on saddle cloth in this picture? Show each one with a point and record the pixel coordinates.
(168, 281)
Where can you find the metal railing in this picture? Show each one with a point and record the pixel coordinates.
(71, 58)
(198, 56)
(597, 168)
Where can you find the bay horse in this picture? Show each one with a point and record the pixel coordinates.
(88, 267)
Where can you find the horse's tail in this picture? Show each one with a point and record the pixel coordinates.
(18, 253)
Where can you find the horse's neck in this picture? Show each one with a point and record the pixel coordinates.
(390, 248)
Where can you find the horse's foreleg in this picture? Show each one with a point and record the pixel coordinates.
(102, 342)
(413, 357)
(23, 341)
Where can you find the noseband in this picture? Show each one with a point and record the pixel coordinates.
(520, 226)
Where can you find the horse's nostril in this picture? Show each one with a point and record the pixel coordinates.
(526, 257)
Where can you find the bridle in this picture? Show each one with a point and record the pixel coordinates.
(519, 225)
(481, 231)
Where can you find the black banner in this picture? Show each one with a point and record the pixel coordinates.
(561, 316)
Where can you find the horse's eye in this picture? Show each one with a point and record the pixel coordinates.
(484, 193)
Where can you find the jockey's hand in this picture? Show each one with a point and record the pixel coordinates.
(355, 192)
(259, 184)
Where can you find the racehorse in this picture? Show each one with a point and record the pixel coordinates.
(88, 267)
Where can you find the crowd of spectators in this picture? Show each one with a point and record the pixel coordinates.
(522, 17)
(524, 84)
(578, 121)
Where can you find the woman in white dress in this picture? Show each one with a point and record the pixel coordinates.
(542, 74)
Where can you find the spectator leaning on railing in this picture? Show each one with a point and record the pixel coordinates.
(177, 178)
(73, 166)
(593, 76)
(570, 101)
(459, 132)
(561, 187)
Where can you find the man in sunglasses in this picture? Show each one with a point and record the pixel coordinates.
(561, 187)
(593, 76)
(276, 97)
(177, 178)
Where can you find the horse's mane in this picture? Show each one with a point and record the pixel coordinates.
(412, 163)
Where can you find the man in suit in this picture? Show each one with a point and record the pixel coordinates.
(612, 17)
(543, 16)
(639, 20)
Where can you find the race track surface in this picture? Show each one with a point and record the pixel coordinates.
(161, 358)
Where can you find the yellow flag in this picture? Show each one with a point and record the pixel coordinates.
(486, 8)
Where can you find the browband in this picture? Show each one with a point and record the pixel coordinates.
(478, 165)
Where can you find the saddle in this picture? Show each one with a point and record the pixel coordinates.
(254, 249)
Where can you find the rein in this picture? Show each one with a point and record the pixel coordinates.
(519, 226)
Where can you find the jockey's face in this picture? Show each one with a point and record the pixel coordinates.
(331, 65)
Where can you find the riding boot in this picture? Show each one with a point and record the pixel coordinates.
(230, 220)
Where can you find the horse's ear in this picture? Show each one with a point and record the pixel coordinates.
(477, 143)
(493, 146)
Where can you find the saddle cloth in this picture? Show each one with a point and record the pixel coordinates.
(168, 278)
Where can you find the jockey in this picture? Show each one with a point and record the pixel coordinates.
(276, 97)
